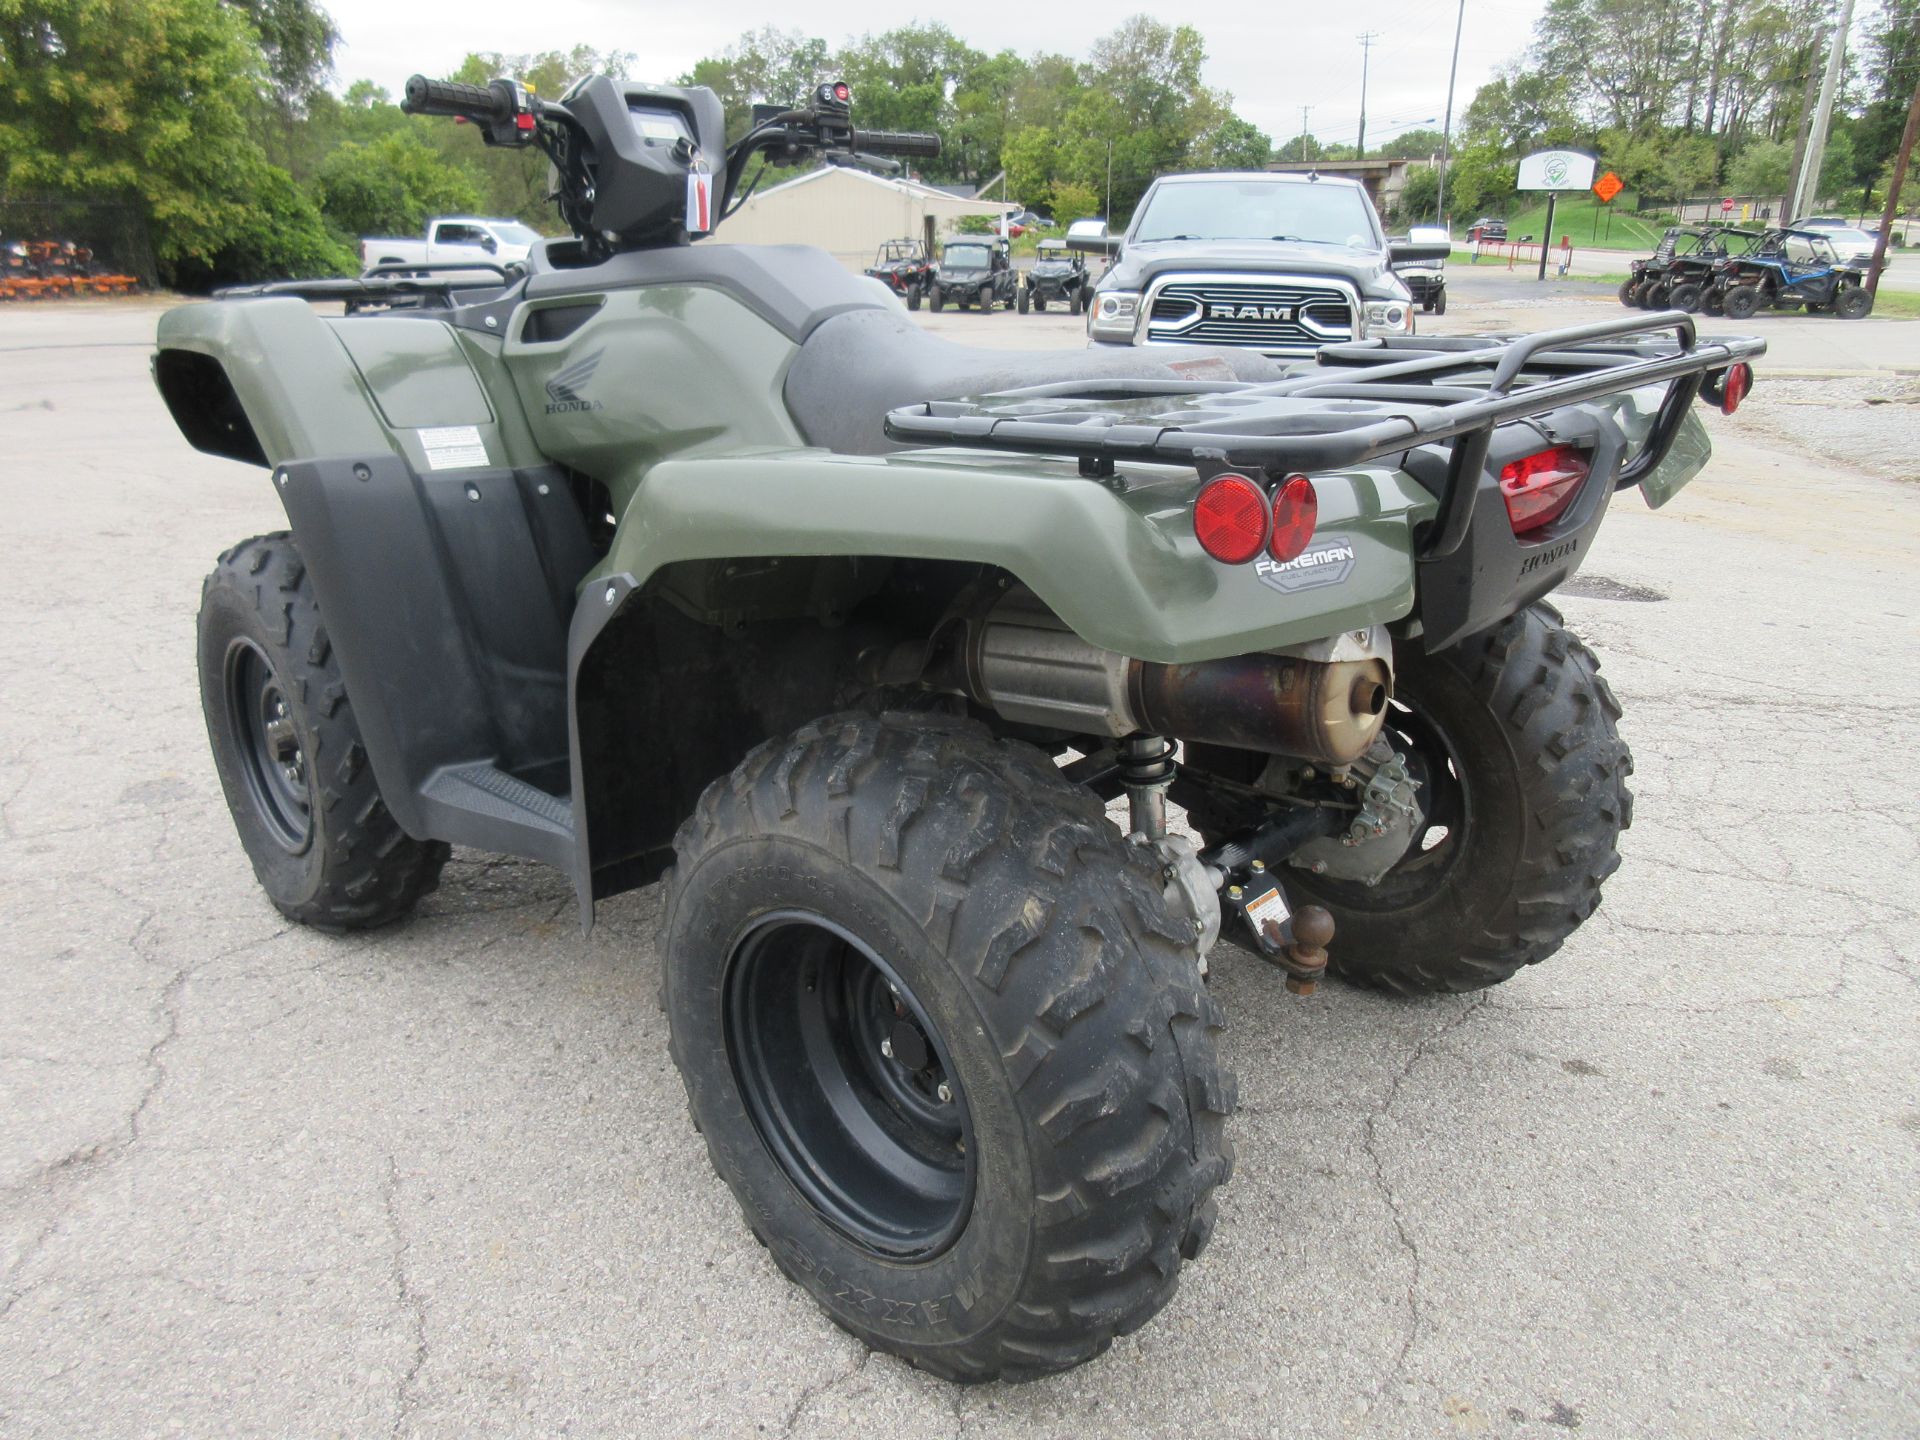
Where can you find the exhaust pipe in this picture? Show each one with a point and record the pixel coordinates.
(1327, 706)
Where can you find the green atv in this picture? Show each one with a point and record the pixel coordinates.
(705, 566)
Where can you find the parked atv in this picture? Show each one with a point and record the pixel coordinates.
(1692, 268)
(1684, 256)
(973, 270)
(1058, 276)
(1792, 268)
(704, 565)
(902, 266)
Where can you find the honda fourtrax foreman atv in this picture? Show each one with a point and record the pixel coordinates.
(704, 565)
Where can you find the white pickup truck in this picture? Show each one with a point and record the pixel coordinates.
(452, 239)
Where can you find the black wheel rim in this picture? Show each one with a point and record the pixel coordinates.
(273, 761)
(1441, 839)
(843, 1076)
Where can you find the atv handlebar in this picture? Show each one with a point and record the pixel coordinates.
(482, 104)
(896, 142)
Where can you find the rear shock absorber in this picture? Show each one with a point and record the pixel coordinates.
(1147, 769)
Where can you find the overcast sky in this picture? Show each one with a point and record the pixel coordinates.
(1274, 57)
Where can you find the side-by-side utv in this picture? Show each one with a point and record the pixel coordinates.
(704, 566)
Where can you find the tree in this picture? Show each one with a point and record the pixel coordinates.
(1419, 197)
(153, 101)
(392, 186)
(1761, 169)
(1072, 202)
(1233, 144)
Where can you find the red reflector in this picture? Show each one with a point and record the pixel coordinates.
(1734, 388)
(524, 121)
(1539, 488)
(1230, 518)
(1295, 510)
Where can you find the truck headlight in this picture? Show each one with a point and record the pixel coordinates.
(1389, 317)
(1114, 315)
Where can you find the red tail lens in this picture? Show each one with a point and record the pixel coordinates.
(1296, 509)
(1539, 488)
(1230, 518)
(1734, 388)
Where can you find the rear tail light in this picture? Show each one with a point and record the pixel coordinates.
(1296, 508)
(1230, 518)
(1734, 388)
(1539, 488)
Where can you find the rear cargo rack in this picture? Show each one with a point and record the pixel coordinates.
(1359, 402)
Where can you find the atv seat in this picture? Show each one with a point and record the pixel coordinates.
(856, 366)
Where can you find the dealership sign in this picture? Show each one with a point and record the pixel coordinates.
(1557, 170)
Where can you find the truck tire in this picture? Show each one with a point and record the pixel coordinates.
(1525, 779)
(1740, 301)
(289, 753)
(1013, 1177)
(1854, 302)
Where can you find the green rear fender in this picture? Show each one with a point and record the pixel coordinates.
(1115, 559)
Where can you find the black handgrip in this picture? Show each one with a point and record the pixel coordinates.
(896, 142)
(448, 97)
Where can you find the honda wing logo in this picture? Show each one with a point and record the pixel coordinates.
(563, 390)
(1251, 312)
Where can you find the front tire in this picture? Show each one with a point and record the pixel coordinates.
(289, 753)
(937, 301)
(1685, 296)
(913, 297)
(1015, 1179)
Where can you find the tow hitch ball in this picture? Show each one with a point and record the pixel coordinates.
(1296, 943)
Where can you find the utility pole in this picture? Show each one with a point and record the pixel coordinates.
(1367, 37)
(1807, 191)
(1305, 111)
(1446, 130)
(1109, 187)
(1900, 162)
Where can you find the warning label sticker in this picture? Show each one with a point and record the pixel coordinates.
(1270, 906)
(453, 447)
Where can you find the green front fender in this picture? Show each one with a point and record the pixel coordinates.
(1114, 558)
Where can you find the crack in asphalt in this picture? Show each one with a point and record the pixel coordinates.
(815, 1391)
(1369, 1145)
(406, 1297)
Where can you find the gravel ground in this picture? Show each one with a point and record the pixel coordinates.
(439, 1180)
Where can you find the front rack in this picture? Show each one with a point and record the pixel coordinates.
(1359, 403)
(437, 286)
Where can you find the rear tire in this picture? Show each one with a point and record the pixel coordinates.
(289, 753)
(1740, 301)
(1527, 773)
(910, 870)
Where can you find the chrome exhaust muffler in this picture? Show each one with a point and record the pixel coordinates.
(1324, 702)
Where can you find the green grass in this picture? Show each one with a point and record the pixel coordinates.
(1589, 223)
(1904, 304)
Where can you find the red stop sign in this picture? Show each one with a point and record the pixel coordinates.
(1726, 205)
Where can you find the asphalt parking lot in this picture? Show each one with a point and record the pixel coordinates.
(440, 1179)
